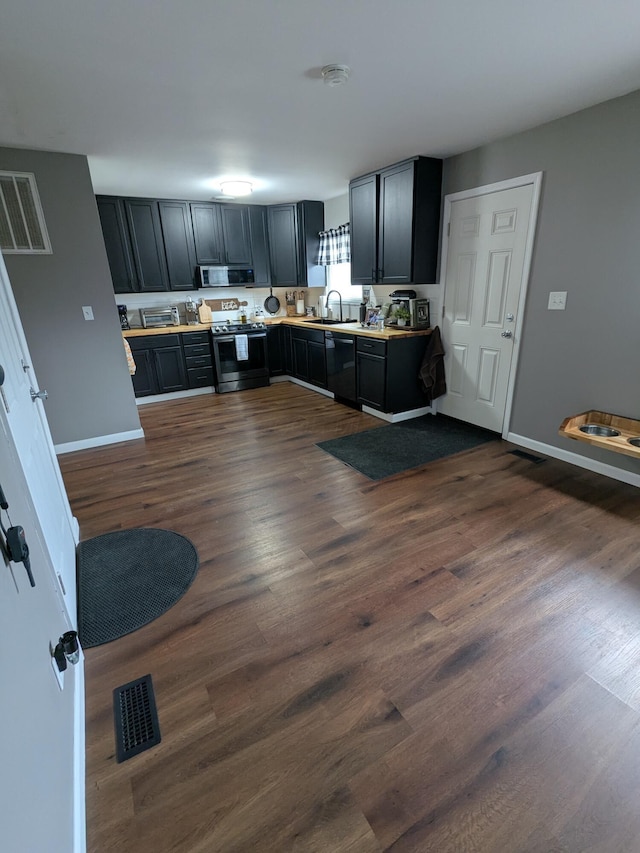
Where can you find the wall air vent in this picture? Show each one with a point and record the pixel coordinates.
(22, 227)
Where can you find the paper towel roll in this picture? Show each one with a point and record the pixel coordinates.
(300, 306)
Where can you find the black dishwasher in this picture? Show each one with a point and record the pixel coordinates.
(340, 349)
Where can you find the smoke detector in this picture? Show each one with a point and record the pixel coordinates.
(335, 75)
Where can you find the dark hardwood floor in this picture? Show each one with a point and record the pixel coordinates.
(447, 660)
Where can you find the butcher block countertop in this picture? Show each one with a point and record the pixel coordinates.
(166, 330)
(310, 322)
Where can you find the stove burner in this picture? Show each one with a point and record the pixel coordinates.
(236, 328)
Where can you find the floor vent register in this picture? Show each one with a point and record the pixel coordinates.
(136, 718)
(531, 457)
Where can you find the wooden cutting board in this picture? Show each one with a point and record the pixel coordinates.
(231, 304)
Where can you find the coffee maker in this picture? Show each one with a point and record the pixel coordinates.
(124, 319)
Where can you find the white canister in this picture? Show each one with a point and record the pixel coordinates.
(300, 306)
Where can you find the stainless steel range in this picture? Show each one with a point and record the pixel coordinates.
(240, 355)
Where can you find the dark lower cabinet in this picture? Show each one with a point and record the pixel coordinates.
(160, 365)
(275, 350)
(371, 373)
(309, 362)
(387, 373)
(171, 362)
(198, 357)
(317, 364)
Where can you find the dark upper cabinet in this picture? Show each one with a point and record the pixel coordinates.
(147, 247)
(283, 244)
(363, 207)
(236, 234)
(117, 243)
(179, 245)
(293, 244)
(207, 231)
(259, 244)
(407, 215)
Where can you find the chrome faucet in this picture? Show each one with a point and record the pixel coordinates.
(339, 297)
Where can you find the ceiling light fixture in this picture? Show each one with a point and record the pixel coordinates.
(236, 187)
(335, 75)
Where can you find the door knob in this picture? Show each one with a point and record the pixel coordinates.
(507, 334)
(38, 395)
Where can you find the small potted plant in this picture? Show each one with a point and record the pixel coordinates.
(402, 315)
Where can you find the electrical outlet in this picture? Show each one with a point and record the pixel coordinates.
(557, 300)
(87, 310)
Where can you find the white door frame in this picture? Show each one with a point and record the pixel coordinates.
(535, 179)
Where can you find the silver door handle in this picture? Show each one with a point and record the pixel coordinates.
(507, 334)
(38, 395)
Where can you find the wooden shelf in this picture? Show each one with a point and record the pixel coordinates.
(627, 427)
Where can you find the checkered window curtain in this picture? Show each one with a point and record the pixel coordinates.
(335, 246)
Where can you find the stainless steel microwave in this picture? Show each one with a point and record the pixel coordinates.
(224, 277)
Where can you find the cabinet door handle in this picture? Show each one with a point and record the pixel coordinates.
(373, 275)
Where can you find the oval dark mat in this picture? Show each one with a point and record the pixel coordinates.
(128, 578)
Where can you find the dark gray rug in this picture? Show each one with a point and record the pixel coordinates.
(383, 451)
(128, 578)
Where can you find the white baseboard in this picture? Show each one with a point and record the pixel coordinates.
(308, 385)
(98, 441)
(397, 417)
(576, 459)
(175, 395)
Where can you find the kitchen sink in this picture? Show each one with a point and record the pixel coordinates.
(326, 321)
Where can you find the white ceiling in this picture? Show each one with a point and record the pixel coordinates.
(166, 96)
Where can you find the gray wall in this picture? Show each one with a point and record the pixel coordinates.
(587, 243)
(336, 211)
(81, 363)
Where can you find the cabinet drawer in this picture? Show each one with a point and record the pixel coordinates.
(191, 338)
(197, 349)
(154, 341)
(199, 361)
(200, 377)
(371, 346)
(315, 335)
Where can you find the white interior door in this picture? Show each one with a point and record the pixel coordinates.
(41, 741)
(489, 247)
(29, 429)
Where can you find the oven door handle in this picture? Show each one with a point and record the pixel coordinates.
(227, 338)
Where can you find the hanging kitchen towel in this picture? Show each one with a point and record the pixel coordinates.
(431, 371)
(130, 362)
(242, 348)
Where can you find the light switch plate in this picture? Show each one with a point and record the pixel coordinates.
(557, 300)
(87, 310)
